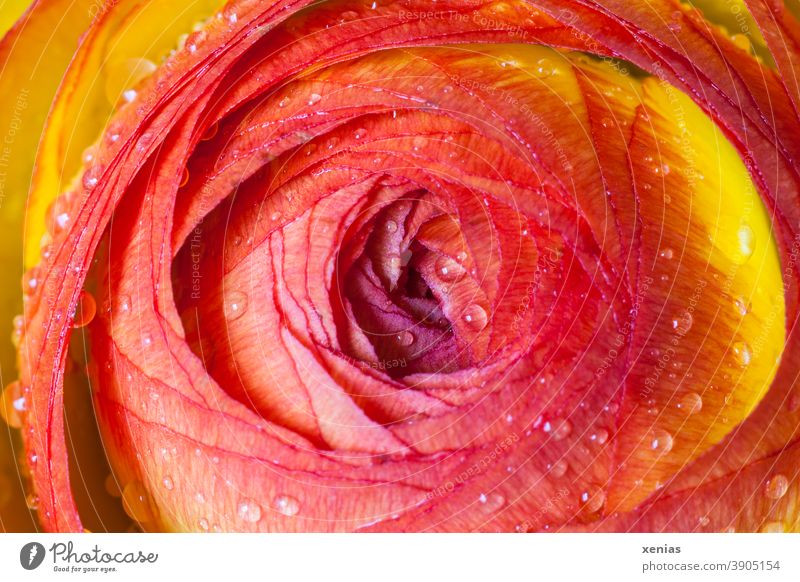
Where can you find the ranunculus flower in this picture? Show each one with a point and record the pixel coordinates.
(405, 266)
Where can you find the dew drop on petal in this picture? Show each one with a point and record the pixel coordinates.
(558, 429)
(491, 502)
(168, 484)
(544, 68)
(475, 317)
(742, 306)
(661, 442)
(449, 270)
(235, 305)
(747, 241)
(391, 226)
(249, 510)
(691, 403)
(85, 311)
(743, 353)
(559, 468)
(600, 436)
(203, 524)
(593, 499)
(776, 486)
(286, 505)
(405, 338)
(683, 322)
(314, 98)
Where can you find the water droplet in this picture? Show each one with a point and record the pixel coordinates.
(559, 468)
(491, 502)
(661, 442)
(30, 280)
(391, 226)
(742, 306)
(58, 215)
(593, 499)
(137, 502)
(691, 402)
(203, 524)
(249, 510)
(130, 95)
(743, 353)
(314, 98)
(418, 143)
(235, 305)
(32, 501)
(13, 405)
(747, 241)
(475, 317)
(683, 323)
(703, 521)
(405, 338)
(558, 429)
(600, 436)
(666, 253)
(544, 68)
(360, 133)
(85, 311)
(777, 486)
(168, 484)
(286, 505)
(449, 270)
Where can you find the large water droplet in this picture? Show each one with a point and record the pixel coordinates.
(137, 502)
(475, 317)
(559, 468)
(544, 68)
(558, 429)
(747, 241)
(600, 436)
(391, 226)
(314, 98)
(449, 270)
(168, 483)
(743, 353)
(249, 510)
(661, 442)
(85, 311)
(405, 338)
(593, 499)
(491, 502)
(742, 306)
(30, 280)
(235, 305)
(286, 505)
(777, 486)
(682, 323)
(691, 402)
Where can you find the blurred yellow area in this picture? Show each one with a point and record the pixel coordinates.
(35, 57)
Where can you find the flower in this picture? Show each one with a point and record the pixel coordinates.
(369, 266)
